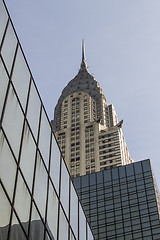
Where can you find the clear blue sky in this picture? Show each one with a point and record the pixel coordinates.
(122, 40)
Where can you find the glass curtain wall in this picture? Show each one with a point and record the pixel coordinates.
(121, 203)
(37, 198)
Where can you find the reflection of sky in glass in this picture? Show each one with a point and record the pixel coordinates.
(123, 207)
(122, 49)
(33, 176)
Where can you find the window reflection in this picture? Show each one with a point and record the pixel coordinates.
(9, 47)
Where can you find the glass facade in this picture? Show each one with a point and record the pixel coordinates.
(121, 203)
(37, 197)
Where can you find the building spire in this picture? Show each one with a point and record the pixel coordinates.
(83, 63)
(83, 51)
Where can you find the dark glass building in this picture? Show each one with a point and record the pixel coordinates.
(121, 203)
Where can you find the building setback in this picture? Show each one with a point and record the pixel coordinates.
(37, 198)
(86, 126)
(121, 203)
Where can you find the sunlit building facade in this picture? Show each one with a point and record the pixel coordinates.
(37, 198)
(119, 197)
(87, 128)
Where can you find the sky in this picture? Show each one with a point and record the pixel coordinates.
(122, 45)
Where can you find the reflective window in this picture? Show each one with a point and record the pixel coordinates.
(40, 183)
(9, 47)
(3, 19)
(52, 214)
(44, 139)
(3, 83)
(13, 121)
(92, 179)
(7, 166)
(71, 236)
(33, 111)
(107, 175)
(5, 210)
(16, 232)
(146, 165)
(90, 236)
(85, 182)
(22, 199)
(63, 226)
(82, 224)
(36, 226)
(21, 78)
(65, 188)
(55, 164)
(138, 167)
(99, 178)
(77, 182)
(122, 173)
(74, 210)
(28, 155)
(129, 170)
(114, 173)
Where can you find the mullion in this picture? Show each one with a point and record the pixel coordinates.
(34, 171)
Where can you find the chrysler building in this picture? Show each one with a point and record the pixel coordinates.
(86, 126)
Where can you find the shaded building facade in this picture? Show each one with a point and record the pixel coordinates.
(87, 128)
(121, 203)
(37, 197)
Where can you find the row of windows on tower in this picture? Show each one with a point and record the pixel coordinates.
(89, 152)
(105, 141)
(106, 155)
(75, 138)
(89, 109)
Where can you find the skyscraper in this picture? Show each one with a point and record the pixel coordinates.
(119, 197)
(121, 203)
(37, 198)
(87, 128)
